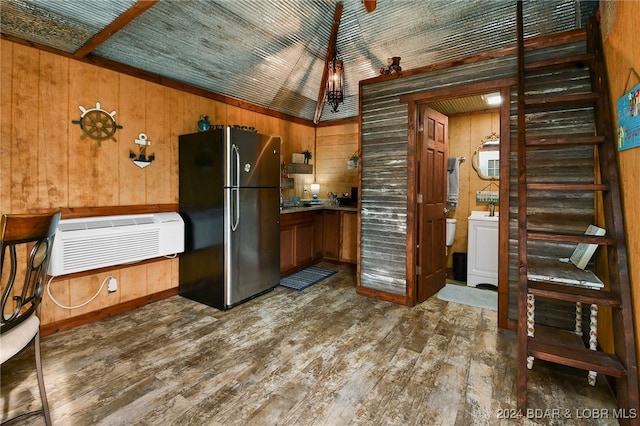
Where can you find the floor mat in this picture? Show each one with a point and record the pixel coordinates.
(305, 278)
(485, 299)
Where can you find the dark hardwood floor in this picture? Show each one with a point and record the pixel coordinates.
(323, 356)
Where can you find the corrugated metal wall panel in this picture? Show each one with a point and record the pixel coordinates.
(383, 240)
(383, 192)
(384, 160)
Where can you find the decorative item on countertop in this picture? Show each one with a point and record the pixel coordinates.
(307, 156)
(204, 123)
(142, 160)
(97, 123)
(393, 66)
(315, 189)
(352, 163)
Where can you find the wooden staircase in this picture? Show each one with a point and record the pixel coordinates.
(536, 186)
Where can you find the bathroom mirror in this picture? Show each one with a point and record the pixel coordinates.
(486, 159)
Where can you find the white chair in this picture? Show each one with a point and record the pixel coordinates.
(30, 237)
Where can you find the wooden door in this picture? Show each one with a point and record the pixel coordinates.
(431, 187)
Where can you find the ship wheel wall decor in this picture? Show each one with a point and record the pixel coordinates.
(97, 123)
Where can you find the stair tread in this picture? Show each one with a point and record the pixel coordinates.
(555, 95)
(562, 140)
(562, 186)
(566, 348)
(572, 293)
(558, 63)
(564, 273)
(570, 237)
(561, 100)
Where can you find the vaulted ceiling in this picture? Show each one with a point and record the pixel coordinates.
(271, 53)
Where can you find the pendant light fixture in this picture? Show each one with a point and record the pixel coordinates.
(335, 83)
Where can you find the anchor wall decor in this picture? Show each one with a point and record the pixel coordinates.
(142, 160)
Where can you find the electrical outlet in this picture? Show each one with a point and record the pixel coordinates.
(112, 285)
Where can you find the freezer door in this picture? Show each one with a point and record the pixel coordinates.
(253, 159)
(252, 242)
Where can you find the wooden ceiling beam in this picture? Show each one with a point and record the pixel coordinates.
(337, 15)
(120, 22)
(369, 5)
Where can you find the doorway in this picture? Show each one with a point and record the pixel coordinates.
(420, 231)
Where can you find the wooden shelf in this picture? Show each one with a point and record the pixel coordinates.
(300, 169)
(286, 183)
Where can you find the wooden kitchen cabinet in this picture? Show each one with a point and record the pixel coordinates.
(287, 247)
(331, 235)
(299, 245)
(349, 237)
(309, 236)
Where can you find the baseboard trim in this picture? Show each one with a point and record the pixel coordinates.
(383, 295)
(67, 324)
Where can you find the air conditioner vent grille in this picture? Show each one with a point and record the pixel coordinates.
(84, 244)
(99, 224)
(99, 252)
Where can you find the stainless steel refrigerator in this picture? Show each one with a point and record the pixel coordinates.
(229, 183)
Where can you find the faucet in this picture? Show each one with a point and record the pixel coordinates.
(492, 210)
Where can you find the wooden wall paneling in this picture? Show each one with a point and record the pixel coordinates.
(131, 115)
(133, 283)
(93, 169)
(466, 132)
(84, 288)
(622, 53)
(159, 276)
(177, 127)
(234, 115)
(194, 107)
(157, 124)
(247, 118)
(61, 291)
(335, 145)
(6, 130)
(460, 146)
(24, 153)
(264, 124)
(53, 128)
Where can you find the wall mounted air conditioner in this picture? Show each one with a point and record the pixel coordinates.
(84, 244)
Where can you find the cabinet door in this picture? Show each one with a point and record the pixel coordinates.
(318, 229)
(331, 235)
(287, 246)
(349, 233)
(304, 243)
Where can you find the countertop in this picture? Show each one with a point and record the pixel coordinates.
(287, 210)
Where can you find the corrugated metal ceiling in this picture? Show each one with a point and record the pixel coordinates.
(271, 52)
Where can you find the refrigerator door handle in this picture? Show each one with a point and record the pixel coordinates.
(235, 154)
(235, 201)
(235, 193)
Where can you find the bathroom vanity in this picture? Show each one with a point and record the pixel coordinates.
(482, 249)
